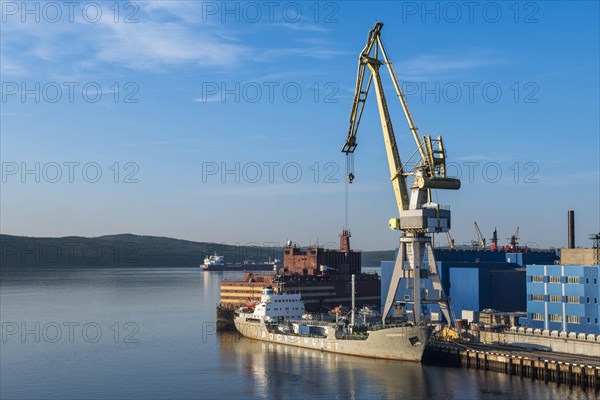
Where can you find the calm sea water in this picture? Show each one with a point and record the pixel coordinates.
(150, 334)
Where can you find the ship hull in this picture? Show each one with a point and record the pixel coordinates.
(405, 343)
(225, 318)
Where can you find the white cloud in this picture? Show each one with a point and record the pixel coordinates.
(310, 52)
(430, 66)
(304, 27)
(147, 45)
(189, 11)
(164, 36)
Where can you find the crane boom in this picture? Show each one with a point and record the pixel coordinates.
(450, 240)
(396, 170)
(360, 96)
(432, 153)
(514, 240)
(480, 236)
(413, 128)
(418, 216)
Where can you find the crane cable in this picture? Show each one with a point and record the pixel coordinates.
(346, 204)
(348, 180)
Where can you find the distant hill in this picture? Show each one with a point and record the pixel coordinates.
(127, 250)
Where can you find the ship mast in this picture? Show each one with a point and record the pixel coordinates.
(352, 316)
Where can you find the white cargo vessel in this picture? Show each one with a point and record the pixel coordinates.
(278, 318)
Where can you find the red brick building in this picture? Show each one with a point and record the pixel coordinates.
(318, 261)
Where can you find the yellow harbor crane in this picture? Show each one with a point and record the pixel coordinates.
(450, 240)
(480, 238)
(419, 216)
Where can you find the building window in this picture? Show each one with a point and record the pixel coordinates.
(554, 298)
(572, 279)
(573, 320)
(537, 297)
(573, 299)
(537, 278)
(555, 279)
(595, 281)
(587, 281)
(595, 300)
(596, 320)
(537, 316)
(588, 300)
(555, 317)
(588, 319)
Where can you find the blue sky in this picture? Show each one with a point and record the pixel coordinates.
(163, 98)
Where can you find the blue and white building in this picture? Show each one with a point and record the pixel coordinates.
(476, 280)
(563, 298)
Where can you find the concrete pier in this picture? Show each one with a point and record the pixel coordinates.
(547, 366)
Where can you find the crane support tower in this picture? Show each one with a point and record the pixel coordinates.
(419, 217)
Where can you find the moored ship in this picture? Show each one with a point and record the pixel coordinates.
(217, 263)
(213, 263)
(278, 319)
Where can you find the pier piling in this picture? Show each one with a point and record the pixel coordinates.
(515, 364)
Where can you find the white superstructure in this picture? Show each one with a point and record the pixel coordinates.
(213, 261)
(274, 307)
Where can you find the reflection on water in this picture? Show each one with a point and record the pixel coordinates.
(179, 355)
(281, 371)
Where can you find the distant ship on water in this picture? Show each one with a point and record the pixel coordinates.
(217, 263)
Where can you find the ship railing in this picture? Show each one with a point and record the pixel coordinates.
(377, 327)
(309, 322)
(356, 336)
(245, 282)
(308, 335)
